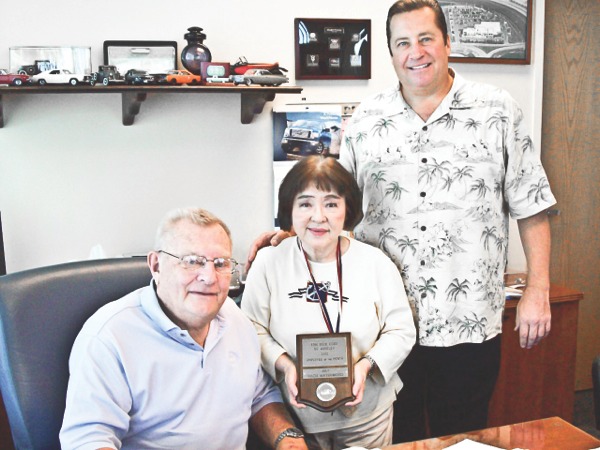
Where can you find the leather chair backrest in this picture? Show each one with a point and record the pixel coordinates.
(41, 313)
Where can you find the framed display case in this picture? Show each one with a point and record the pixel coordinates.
(151, 56)
(33, 60)
(497, 32)
(217, 72)
(332, 49)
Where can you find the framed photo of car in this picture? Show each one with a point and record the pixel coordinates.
(489, 32)
(301, 130)
(332, 49)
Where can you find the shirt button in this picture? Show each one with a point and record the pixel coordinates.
(423, 295)
(425, 128)
(422, 263)
(422, 194)
(424, 160)
(423, 228)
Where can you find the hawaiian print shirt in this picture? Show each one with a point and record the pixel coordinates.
(436, 198)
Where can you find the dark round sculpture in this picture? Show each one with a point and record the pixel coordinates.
(195, 52)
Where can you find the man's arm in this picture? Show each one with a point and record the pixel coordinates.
(533, 310)
(267, 238)
(270, 421)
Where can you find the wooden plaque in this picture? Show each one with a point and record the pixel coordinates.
(325, 370)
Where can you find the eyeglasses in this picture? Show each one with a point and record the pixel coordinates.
(195, 262)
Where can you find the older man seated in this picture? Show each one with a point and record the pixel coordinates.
(175, 364)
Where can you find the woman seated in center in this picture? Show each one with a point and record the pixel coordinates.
(296, 288)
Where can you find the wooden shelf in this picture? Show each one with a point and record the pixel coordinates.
(252, 102)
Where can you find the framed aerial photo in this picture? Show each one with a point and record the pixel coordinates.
(489, 31)
(332, 49)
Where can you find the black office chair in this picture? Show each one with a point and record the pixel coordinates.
(41, 313)
(596, 384)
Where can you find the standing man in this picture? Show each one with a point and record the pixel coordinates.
(442, 162)
(175, 364)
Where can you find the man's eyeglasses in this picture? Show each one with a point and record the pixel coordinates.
(195, 262)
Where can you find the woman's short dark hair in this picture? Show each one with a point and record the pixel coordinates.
(404, 6)
(327, 174)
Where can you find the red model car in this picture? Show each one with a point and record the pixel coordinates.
(13, 79)
(242, 65)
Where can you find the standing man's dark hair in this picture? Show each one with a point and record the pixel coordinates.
(403, 6)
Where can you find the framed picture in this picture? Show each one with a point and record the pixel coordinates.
(489, 31)
(153, 56)
(33, 60)
(332, 49)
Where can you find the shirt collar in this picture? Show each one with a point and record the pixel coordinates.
(398, 105)
(151, 307)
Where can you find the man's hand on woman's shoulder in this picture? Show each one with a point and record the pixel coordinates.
(268, 238)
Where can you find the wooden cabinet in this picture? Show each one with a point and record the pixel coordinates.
(539, 382)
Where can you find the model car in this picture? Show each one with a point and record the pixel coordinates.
(136, 76)
(259, 76)
(308, 137)
(182, 77)
(13, 79)
(39, 66)
(242, 65)
(59, 76)
(159, 78)
(106, 74)
(217, 80)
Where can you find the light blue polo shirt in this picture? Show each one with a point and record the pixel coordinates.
(139, 381)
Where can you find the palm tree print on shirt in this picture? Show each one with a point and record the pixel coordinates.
(437, 196)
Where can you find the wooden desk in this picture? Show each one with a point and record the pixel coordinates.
(539, 382)
(544, 434)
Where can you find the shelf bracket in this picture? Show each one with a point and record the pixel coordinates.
(131, 102)
(253, 103)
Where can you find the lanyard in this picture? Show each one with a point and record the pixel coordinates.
(324, 312)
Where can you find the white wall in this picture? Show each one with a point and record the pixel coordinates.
(72, 176)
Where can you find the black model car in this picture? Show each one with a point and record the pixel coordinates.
(106, 74)
(39, 66)
(159, 77)
(136, 76)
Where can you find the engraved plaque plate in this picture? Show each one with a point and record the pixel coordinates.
(325, 375)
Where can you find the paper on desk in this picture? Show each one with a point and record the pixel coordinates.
(468, 444)
(360, 448)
